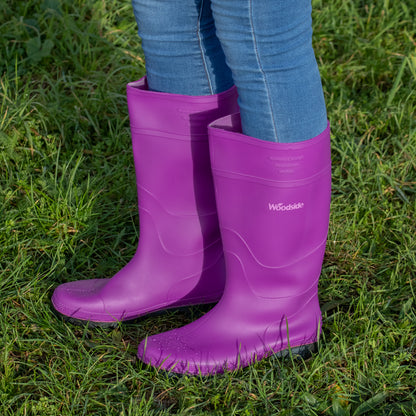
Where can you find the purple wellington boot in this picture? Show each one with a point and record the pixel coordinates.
(273, 206)
(179, 260)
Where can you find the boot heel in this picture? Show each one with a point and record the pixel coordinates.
(302, 351)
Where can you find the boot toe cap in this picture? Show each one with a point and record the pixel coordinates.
(173, 353)
(80, 299)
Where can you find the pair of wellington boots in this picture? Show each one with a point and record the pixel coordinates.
(224, 218)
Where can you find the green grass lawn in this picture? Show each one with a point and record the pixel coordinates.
(68, 211)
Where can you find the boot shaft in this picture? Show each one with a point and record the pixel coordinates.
(273, 204)
(172, 162)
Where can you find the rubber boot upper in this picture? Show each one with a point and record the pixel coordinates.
(273, 202)
(179, 260)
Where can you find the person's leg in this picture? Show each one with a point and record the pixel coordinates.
(268, 46)
(272, 199)
(182, 53)
(179, 260)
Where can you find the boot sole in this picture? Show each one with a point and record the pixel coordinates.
(301, 352)
(115, 324)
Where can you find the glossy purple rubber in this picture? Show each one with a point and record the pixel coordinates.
(273, 202)
(179, 260)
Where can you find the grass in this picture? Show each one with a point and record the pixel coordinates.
(68, 211)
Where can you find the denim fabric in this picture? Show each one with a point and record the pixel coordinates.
(264, 47)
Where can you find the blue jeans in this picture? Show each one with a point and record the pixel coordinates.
(264, 47)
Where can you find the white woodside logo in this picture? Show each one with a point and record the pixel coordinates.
(288, 207)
